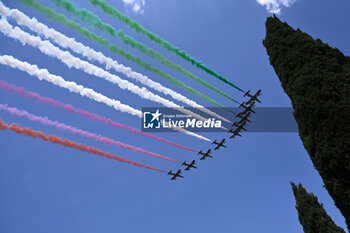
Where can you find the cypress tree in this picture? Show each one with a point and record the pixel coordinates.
(316, 77)
(312, 215)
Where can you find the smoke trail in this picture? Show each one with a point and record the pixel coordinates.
(184, 131)
(91, 54)
(94, 21)
(108, 9)
(62, 126)
(33, 70)
(49, 49)
(114, 48)
(73, 87)
(68, 143)
(33, 95)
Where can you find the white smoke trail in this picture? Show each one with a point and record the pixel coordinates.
(64, 56)
(44, 74)
(190, 133)
(185, 131)
(91, 54)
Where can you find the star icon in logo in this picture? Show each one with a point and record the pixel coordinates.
(156, 115)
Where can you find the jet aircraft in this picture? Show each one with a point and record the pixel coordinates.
(242, 104)
(247, 105)
(242, 122)
(219, 144)
(175, 175)
(240, 128)
(235, 134)
(232, 131)
(253, 97)
(242, 116)
(248, 109)
(189, 165)
(206, 154)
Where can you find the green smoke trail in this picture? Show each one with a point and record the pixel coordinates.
(108, 9)
(51, 14)
(95, 21)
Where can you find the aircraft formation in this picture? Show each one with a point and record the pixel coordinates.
(237, 128)
(29, 31)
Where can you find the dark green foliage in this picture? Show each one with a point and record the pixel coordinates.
(312, 215)
(316, 77)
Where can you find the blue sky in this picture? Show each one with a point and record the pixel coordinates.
(245, 188)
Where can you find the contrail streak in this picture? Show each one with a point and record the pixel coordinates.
(68, 59)
(108, 9)
(114, 48)
(73, 87)
(67, 143)
(95, 21)
(92, 55)
(62, 126)
(55, 103)
(33, 70)
(185, 131)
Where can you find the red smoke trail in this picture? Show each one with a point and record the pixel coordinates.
(62, 126)
(68, 143)
(33, 95)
